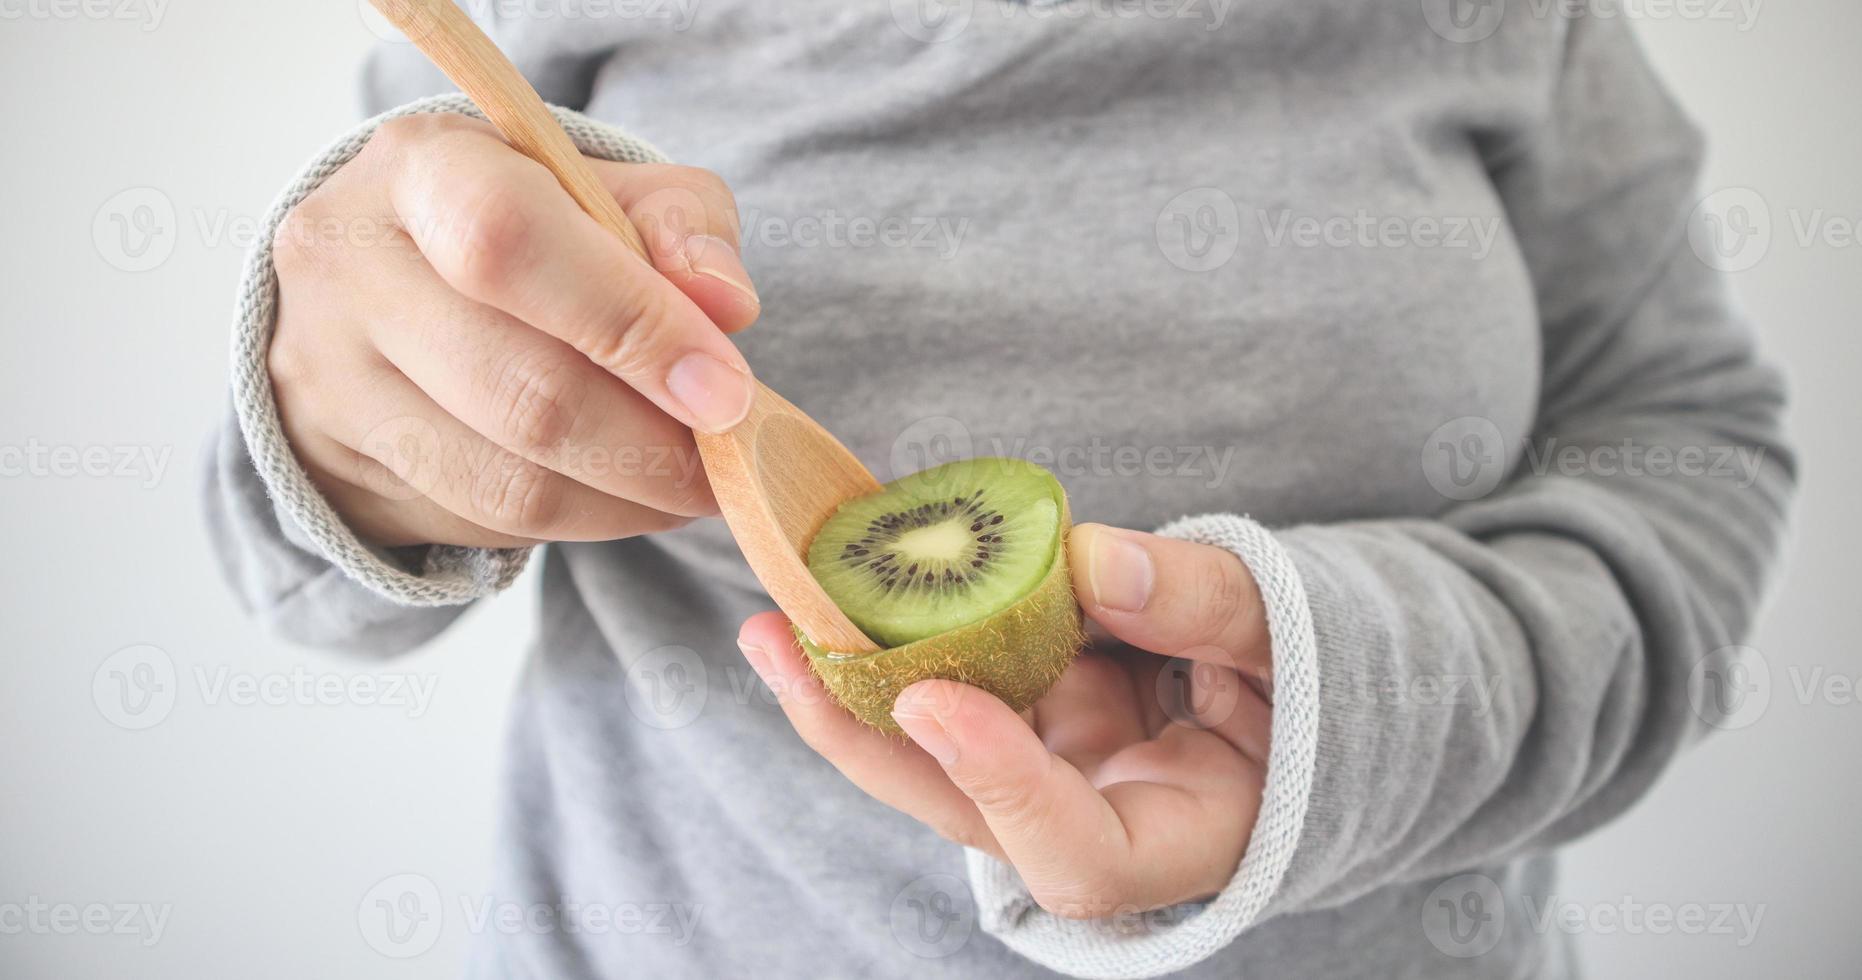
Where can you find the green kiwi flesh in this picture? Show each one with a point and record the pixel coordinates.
(959, 572)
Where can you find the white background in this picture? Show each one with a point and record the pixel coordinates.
(263, 827)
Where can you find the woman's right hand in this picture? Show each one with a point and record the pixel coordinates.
(463, 357)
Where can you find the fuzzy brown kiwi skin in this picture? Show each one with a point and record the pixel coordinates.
(1016, 654)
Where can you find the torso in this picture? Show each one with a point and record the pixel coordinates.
(1090, 275)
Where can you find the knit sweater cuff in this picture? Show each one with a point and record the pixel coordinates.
(432, 576)
(1157, 943)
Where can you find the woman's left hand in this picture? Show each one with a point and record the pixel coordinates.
(1134, 784)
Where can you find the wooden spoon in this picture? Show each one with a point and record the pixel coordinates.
(778, 475)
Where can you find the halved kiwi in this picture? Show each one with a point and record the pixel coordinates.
(960, 572)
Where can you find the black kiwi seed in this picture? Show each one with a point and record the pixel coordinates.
(872, 553)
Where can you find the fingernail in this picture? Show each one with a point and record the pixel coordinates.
(716, 394)
(713, 256)
(759, 661)
(1120, 572)
(929, 733)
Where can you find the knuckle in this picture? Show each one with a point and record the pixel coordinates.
(680, 202)
(1089, 895)
(1014, 797)
(492, 231)
(297, 248)
(396, 135)
(1000, 796)
(517, 496)
(407, 134)
(538, 401)
(633, 347)
(706, 183)
(1072, 905)
(1220, 596)
(700, 178)
(713, 189)
(287, 361)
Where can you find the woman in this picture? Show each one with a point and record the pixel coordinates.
(1410, 285)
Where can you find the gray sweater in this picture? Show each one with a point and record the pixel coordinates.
(1423, 296)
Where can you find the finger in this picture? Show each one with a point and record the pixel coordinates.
(688, 219)
(1058, 831)
(1090, 713)
(1172, 597)
(1163, 788)
(1199, 695)
(1146, 671)
(434, 456)
(894, 772)
(375, 503)
(539, 398)
(498, 228)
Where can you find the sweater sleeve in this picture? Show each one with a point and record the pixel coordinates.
(1512, 672)
(1579, 610)
(290, 558)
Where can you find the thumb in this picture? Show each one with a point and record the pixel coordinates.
(1057, 830)
(1171, 597)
